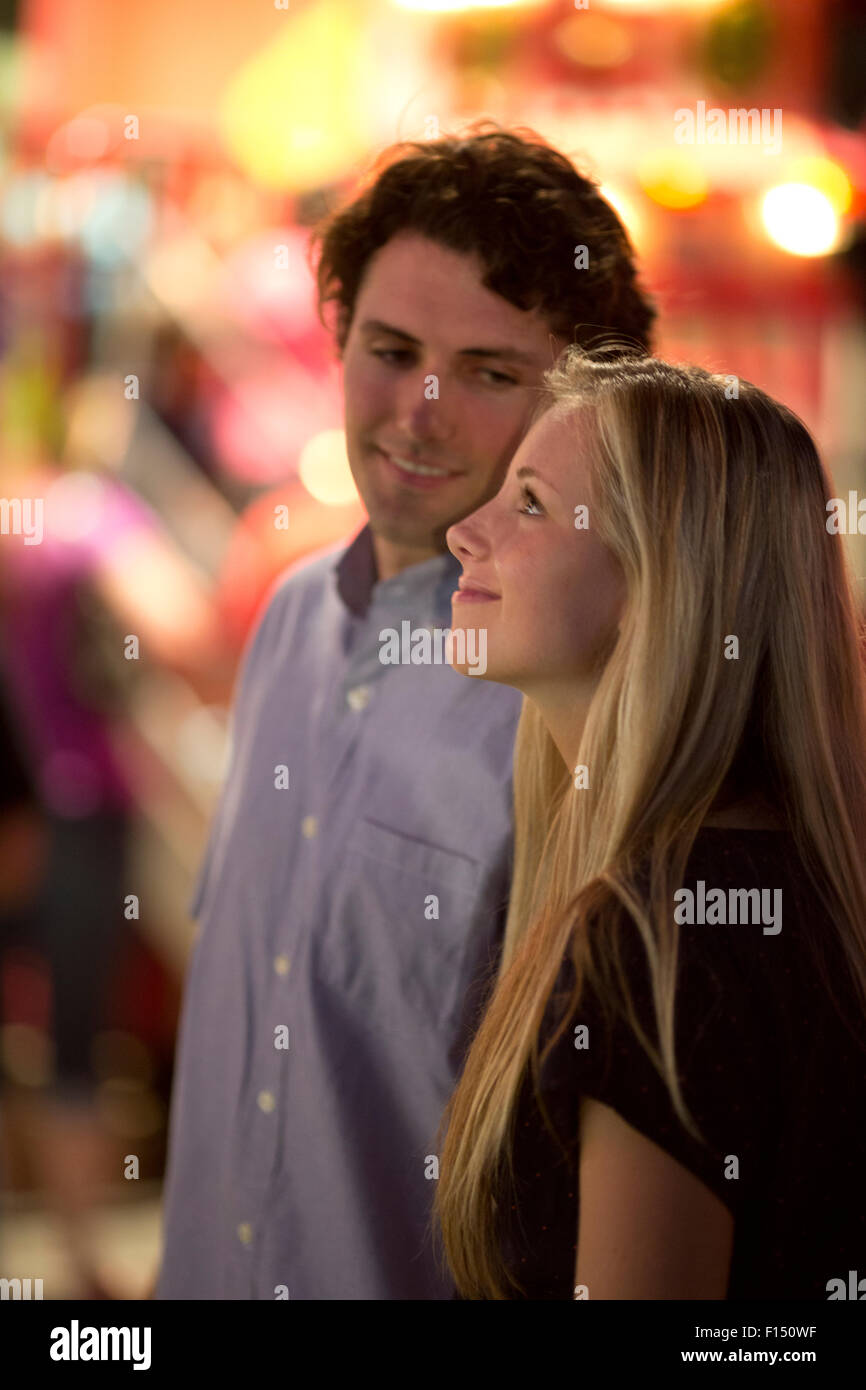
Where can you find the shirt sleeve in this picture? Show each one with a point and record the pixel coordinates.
(725, 1059)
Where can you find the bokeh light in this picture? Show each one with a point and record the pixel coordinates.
(324, 469)
(800, 219)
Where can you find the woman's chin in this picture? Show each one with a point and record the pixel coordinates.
(464, 668)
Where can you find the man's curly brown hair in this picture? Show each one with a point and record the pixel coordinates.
(510, 198)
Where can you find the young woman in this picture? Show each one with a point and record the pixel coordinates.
(666, 1094)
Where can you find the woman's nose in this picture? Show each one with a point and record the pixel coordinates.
(469, 536)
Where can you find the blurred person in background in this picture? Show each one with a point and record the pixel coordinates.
(69, 605)
(64, 700)
(352, 896)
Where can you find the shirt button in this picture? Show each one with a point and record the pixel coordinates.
(309, 827)
(266, 1101)
(245, 1232)
(281, 965)
(359, 697)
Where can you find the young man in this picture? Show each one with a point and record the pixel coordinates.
(356, 879)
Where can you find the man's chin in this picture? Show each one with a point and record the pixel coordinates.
(386, 528)
(411, 521)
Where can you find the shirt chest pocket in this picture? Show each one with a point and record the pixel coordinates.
(402, 928)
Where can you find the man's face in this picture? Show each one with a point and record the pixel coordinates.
(421, 313)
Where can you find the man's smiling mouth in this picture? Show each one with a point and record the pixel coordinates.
(420, 472)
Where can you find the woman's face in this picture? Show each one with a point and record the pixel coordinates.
(557, 592)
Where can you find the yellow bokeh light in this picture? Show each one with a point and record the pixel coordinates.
(827, 176)
(673, 180)
(324, 469)
(800, 219)
(594, 41)
(290, 115)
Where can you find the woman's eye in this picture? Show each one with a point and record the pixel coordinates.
(527, 492)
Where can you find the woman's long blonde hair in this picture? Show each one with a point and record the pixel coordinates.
(713, 499)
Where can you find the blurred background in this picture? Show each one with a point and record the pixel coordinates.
(168, 391)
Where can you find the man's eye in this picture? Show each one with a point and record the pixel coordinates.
(527, 492)
(393, 356)
(501, 378)
(385, 353)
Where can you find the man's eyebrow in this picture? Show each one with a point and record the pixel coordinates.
(526, 472)
(505, 354)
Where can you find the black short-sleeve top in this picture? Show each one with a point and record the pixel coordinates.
(773, 1076)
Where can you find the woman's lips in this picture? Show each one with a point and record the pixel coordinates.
(424, 482)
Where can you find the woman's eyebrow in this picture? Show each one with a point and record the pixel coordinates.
(526, 472)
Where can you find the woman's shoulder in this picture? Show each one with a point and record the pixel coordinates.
(755, 920)
(757, 869)
(748, 860)
(745, 846)
(752, 923)
(754, 887)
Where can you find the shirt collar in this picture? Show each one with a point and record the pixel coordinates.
(425, 588)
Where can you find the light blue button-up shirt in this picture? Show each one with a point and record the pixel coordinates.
(351, 900)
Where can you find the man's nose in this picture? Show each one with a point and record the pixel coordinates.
(422, 413)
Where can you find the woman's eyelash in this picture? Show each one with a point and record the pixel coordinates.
(527, 492)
